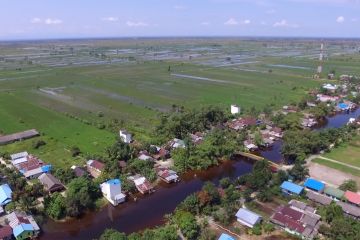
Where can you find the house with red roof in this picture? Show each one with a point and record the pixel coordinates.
(95, 168)
(142, 184)
(352, 197)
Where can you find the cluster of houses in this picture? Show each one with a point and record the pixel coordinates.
(321, 194)
(16, 224)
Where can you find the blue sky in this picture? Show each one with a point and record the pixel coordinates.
(37, 19)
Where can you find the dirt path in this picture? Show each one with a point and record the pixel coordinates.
(329, 175)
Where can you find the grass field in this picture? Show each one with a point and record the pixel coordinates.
(337, 166)
(347, 153)
(57, 87)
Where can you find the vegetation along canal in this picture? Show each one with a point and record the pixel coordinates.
(149, 211)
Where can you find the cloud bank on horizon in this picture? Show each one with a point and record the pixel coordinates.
(32, 19)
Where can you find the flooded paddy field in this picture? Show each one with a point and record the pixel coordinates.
(132, 81)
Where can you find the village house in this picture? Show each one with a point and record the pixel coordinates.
(331, 76)
(308, 121)
(167, 175)
(95, 168)
(6, 139)
(225, 236)
(6, 232)
(235, 109)
(28, 165)
(241, 123)
(125, 136)
(352, 198)
(289, 109)
(326, 98)
(247, 217)
(142, 184)
(314, 185)
(197, 138)
(297, 218)
(5, 194)
(23, 225)
(290, 188)
(319, 198)
(176, 143)
(330, 87)
(145, 156)
(162, 153)
(50, 183)
(335, 193)
(78, 171)
(250, 145)
(111, 190)
(349, 210)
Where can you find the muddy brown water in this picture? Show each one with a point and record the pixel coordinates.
(149, 210)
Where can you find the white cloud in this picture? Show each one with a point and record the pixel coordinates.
(340, 19)
(354, 20)
(36, 20)
(52, 21)
(263, 23)
(136, 24)
(110, 19)
(231, 21)
(284, 23)
(247, 21)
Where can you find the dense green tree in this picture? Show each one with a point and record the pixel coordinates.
(187, 224)
(119, 151)
(64, 175)
(350, 185)
(81, 194)
(299, 172)
(112, 234)
(54, 206)
(190, 204)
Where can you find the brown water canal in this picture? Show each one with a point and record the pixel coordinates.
(149, 210)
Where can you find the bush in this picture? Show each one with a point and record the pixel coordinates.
(75, 151)
(37, 144)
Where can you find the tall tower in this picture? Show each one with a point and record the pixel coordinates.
(321, 60)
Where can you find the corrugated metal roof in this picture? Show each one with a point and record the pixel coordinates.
(291, 187)
(352, 197)
(314, 184)
(5, 194)
(247, 216)
(224, 236)
(19, 229)
(334, 192)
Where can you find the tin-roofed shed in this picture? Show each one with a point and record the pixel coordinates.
(225, 236)
(314, 185)
(291, 188)
(334, 193)
(5, 194)
(247, 217)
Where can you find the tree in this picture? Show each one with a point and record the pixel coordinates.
(299, 172)
(187, 224)
(75, 151)
(331, 212)
(350, 185)
(80, 195)
(112, 234)
(64, 175)
(119, 151)
(190, 204)
(55, 206)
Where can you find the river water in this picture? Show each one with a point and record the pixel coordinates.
(149, 210)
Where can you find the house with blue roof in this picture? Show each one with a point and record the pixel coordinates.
(23, 225)
(225, 236)
(5, 194)
(247, 217)
(290, 188)
(111, 190)
(23, 231)
(314, 185)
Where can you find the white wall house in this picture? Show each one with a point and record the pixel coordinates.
(126, 136)
(235, 109)
(112, 191)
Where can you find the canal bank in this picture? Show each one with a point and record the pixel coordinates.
(149, 210)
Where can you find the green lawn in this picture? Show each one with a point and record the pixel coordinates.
(347, 153)
(337, 166)
(60, 132)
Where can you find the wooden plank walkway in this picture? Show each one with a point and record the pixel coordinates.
(257, 158)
